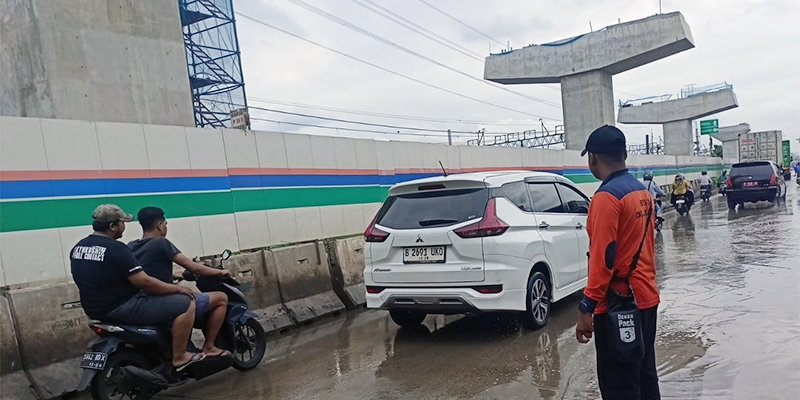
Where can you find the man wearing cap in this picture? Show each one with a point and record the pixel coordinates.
(114, 287)
(621, 238)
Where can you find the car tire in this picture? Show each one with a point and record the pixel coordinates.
(407, 318)
(731, 204)
(539, 301)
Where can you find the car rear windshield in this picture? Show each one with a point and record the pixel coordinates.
(433, 209)
(760, 169)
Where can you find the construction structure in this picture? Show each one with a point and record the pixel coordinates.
(676, 115)
(729, 136)
(214, 61)
(584, 65)
(96, 60)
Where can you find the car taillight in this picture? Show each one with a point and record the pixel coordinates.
(374, 289)
(373, 234)
(730, 183)
(774, 180)
(491, 289)
(489, 225)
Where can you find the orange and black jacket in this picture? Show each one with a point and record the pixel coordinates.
(617, 218)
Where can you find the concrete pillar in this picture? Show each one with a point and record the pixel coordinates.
(678, 138)
(730, 149)
(588, 101)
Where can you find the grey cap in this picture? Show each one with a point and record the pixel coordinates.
(110, 213)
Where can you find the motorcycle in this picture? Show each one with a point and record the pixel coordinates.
(798, 180)
(705, 192)
(680, 205)
(659, 218)
(135, 361)
(723, 187)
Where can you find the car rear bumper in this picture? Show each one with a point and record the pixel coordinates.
(752, 194)
(446, 300)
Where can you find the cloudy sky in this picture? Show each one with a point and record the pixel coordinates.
(751, 44)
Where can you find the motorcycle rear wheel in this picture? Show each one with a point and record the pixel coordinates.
(250, 345)
(104, 384)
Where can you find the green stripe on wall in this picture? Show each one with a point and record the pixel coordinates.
(60, 213)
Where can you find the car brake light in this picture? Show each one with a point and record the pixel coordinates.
(489, 225)
(773, 181)
(374, 289)
(730, 183)
(488, 289)
(373, 234)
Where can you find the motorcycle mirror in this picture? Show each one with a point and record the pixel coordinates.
(226, 254)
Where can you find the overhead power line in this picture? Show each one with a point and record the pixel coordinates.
(353, 129)
(386, 69)
(383, 115)
(419, 29)
(365, 32)
(470, 27)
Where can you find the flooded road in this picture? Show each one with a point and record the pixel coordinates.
(728, 328)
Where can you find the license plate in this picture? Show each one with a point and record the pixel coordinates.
(93, 360)
(423, 255)
(680, 201)
(750, 184)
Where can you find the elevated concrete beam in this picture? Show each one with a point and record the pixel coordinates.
(729, 136)
(688, 108)
(614, 49)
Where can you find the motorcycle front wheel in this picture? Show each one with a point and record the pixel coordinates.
(250, 345)
(104, 385)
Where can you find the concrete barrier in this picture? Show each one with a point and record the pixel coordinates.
(305, 280)
(14, 383)
(259, 283)
(346, 258)
(53, 334)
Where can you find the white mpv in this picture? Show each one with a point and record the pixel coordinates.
(479, 242)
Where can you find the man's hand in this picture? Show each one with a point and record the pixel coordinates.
(584, 329)
(224, 273)
(185, 291)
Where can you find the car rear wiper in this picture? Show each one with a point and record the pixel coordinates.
(439, 221)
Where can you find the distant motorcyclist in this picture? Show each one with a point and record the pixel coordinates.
(705, 181)
(797, 169)
(655, 191)
(680, 187)
(723, 178)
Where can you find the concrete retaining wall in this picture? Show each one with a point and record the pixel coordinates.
(347, 269)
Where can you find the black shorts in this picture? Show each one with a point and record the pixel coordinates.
(144, 309)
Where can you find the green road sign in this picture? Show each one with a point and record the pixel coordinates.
(787, 154)
(709, 127)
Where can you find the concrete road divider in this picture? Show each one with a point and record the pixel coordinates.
(14, 383)
(259, 283)
(346, 258)
(53, 334)
(305, 280)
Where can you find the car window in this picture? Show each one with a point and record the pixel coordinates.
(516, 193)
(573, 199)
(752, 169)
(545, 198)
(433, 208)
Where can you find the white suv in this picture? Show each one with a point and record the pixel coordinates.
(494, 241)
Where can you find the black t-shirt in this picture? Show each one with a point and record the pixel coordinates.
(155, 255)
(101, 267)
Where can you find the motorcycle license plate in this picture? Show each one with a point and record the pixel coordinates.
(94, 360)
(680, 202)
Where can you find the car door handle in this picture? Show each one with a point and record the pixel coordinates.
(579, 226)
(544, 225)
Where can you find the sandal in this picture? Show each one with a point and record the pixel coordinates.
(196, 357)
(223, 353)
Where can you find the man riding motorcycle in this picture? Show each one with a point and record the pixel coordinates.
(655, 191)
(156, 255)
(680, 187)
(705, 182)
(113, 286)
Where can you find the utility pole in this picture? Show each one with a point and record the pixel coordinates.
(647, 144)
(449, 138)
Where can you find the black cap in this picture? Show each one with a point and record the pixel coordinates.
(605, 139)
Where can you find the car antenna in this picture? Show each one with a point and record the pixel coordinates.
(443, 170)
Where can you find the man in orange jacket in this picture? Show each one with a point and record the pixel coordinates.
(617, 225)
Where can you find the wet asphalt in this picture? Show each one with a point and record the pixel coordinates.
(728, 328)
